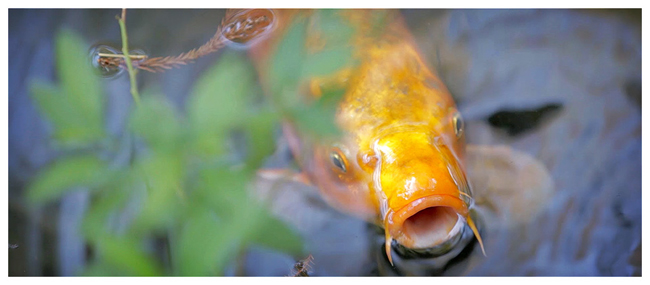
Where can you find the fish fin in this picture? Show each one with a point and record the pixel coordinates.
(510, 187)
(284, 174)
(273, 173)
(476, 234)
(302, 178)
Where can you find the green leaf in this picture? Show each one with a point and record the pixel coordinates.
(318, 119)
(208, 144)
(95, 223)
(335, 32)
(156, 121)
(78, 80)
(332, 26)
(219, 101)
(126, 255)
(111, 197)
(224, 190)
(260, 130)
(285, 70)
(206, 244)
(70, 128)
(163, 173)
(222, 94)
(275, 234)
(54, 104)
(327, 62)
(76, 108)
(63, 175)
(101, 269)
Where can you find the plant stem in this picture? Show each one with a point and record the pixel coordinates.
(127, 58)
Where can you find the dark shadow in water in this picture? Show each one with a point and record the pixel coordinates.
(516, 122)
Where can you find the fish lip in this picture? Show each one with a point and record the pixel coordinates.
(438, 250)
(396, 220)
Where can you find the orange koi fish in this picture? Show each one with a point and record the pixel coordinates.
(399, 161)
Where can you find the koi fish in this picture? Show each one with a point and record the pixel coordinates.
(399, 160)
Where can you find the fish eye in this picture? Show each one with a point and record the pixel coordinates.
(459, 125)
(338, 160)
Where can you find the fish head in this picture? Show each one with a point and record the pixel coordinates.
(422, 191)
(410, 179)
(399, 160)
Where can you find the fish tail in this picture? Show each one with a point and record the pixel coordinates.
(476, 234)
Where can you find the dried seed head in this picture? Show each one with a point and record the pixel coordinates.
(247, 25)
(237, 26)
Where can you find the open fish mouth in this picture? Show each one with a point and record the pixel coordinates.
(428, 226)
(427, 221)
(431, 227)
(450, 242)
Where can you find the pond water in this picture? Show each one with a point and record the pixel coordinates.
(577, 72)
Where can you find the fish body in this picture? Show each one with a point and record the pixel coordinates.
(399, 161)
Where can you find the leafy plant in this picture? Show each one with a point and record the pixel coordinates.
(75, 107)
(186, 185)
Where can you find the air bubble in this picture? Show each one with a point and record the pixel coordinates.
(109, 62)
(247, 27)
(136, 53)
(105, 66)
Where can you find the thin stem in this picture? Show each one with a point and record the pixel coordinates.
(127, 58)
(133, 56)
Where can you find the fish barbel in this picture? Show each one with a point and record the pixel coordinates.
(399, 161)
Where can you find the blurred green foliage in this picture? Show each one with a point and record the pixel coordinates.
(293, 65)
(185, 185)
(75, 107)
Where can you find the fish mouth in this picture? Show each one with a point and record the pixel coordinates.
(428, 222)
(431, 227)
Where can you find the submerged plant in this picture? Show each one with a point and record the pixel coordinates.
(185, 186)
